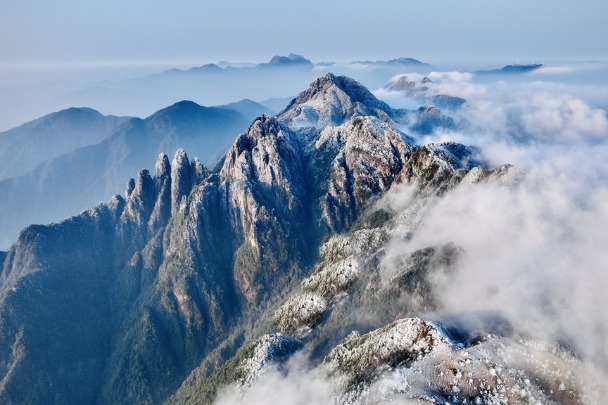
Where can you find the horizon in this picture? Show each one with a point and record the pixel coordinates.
(149, 31)
(52, 50)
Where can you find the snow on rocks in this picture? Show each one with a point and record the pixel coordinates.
(333, 279)
(332, 100)
(413, 359)
(354, 364)
(269, 349)
(300, 314)
(497, 371)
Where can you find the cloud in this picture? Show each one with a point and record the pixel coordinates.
(561, 118)
(295, 383)
(451, 77)
(527, 120)
(535, 253)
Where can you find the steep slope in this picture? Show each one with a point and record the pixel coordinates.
(80, 178)
(347, 166)
(132, 300)
(356, 316)
(264, 175)
(24, 147)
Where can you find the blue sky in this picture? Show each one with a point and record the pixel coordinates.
(111, 31)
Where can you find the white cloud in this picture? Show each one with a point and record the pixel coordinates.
(536, 253)
(294, 384)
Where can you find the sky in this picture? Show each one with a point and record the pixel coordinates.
(33, 32)
(52, 49)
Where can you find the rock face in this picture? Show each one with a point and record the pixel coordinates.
(363, 158)
(122, 302)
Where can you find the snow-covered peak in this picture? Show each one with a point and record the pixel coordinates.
(332, 100)
(401, 83)
(264, 153)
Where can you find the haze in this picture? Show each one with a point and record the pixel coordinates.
(49, 49)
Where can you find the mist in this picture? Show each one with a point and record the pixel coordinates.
(140, 89)
(294, 383)
(534, 250)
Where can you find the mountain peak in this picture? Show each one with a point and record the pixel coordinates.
(291, 60)
(163, 168)
(332, 100)
(181, 182)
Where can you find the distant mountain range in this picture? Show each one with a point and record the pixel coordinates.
(73, 159)
(510, 69)
(24, 147)
(212, 84)
(399, 62)
(198, 277)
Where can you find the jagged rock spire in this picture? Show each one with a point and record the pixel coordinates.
(141, 200)
(162, 207)
(181, 179)
(198, 170)
(130, 187)
(163, 167)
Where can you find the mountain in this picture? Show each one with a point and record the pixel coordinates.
(330, 100)
(290, 60)
(197, 278)
(248, 108)
(399, 62)
(209, 84)
(423, 92)
(80, 178)
(24, 147)
(510, 69)
(220, 83)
